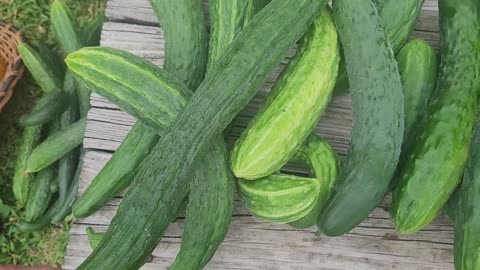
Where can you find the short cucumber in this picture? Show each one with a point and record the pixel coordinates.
(434, 166)
(242, 69)
(42, 71)
(293, 107)
(378, 113)
(21, 180)
(39, 194)
(66, 27)
(47, 108)
(56, 146)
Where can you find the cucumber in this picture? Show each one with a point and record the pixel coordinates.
(21, 180)
(92, 31)
(56, 146)
(65, 27)
(165, 172)
(184, 38)
(398, 19)
(39, 195)
(418, 66)
(434, 166)
(281, 198)
(47, 108)
(378, 113)
(293, 107)
(43, 72)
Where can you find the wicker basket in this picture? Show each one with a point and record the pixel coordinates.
(9, 40)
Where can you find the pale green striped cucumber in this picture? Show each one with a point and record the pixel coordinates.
(294, 105)
(378, 116)
(65, 26)
(42, 71)
(21, 180)
(47, 108)
(281, 198)
(434, 166)
(40, 194)
(56, 146)
(163, 177)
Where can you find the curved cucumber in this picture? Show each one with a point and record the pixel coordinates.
(281, 198)
(294, 105)
(434, 165)
(21, 180)
(378, 114)
(39, 194)
(56, 146)
(165, 172)
(66, 27)
(47, 107)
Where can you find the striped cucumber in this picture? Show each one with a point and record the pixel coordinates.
(281, 198)
(56, 146)
(294, 105)
(66, 27)
(165, 172)
(43, 72)
(378, 113)
(47, 108)
(39, 195)
(434, 165)
(21, 180)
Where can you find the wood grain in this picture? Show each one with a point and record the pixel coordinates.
(251, 243)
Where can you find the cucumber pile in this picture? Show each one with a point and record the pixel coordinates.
(47, 171)
(414, 119)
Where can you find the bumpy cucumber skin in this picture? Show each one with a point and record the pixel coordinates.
(184, 27)
(378, 115)
(39, 195)
(418, 66)
(435, 164)
(41, 71)
(164, 173)
(21, 180)
(299, 97)
(398, 20)
(66, 27)
(56, 146)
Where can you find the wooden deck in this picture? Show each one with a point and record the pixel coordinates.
(252, 244)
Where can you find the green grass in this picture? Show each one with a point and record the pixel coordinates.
(46, 247)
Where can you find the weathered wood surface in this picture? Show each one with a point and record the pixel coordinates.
(252, 244)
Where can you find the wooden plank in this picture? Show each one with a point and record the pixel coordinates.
(253, 244)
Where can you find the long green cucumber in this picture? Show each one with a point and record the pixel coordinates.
(21, 180)
(433, 167)
(66, 27)
(398, 19)
(164, 173)
(56, 146)
(378, 113)
(281, 198)
(47, 108)
(188, 34)
(42, 72)
(39, 195)
(293, 107)
(418, 66)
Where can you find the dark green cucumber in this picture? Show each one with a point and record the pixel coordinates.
(66, 27)
(56, 146)
(378, 115)
(183, 24)
(164, 174)
(39, 195)
(293, 107)
(398, 19)
(21, 180)
(434, 166)
(47, 108)
(418, 66)
(42, 71)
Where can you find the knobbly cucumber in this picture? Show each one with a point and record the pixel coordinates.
(434, 165)
(293, 107)
(378, 113)
(39, 194)
(231, 84)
